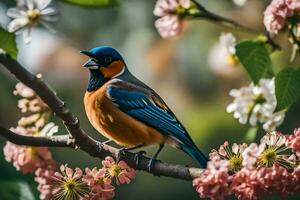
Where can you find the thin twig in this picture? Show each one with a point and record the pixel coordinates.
(82, 140)
(231, 23)
(51, 141)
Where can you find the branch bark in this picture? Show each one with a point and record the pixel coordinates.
(52, 141)
(82, 140)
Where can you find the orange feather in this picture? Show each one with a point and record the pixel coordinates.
(113, 69)
(114, 124)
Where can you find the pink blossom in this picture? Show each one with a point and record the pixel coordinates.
(170, 24)
(268, 169)
(23, 91)
(68, 184)
(294, 140)
(36, 105)
(296, 179)
(293, 4)
(23, 104)
(121, 171)
(28, 159)
(275, 15)
(275, 180)
(244, 184)
(214, 181)
(251, 153)
(44, 179)
(30, 101)
(32, 105)
(100, 186)
(214, 155)
(232, 154)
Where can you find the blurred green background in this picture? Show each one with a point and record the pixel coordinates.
(178, 69)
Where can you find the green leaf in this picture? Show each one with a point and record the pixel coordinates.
(255, 58)
(17, 190)
(94, 3)
(287, 87)
(8, 43)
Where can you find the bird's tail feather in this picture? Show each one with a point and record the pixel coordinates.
(195, 153)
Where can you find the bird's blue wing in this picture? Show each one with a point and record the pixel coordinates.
(141, 106)
(147, 107)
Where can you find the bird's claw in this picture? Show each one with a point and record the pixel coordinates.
(151, 164)
(137, 157)
(99, 147)
(121, 152)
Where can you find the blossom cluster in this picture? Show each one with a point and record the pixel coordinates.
(171, 13)
(93, 184)
(278, 12)
(253, 171)
(63, 183)
(28, 159)
(256, 103)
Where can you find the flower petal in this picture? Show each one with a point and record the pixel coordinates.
(41, 4)
(30, 4)
(27, 36)
(77, 174)
(17, 24)
(48, 11)
(69, 172)
(14, 13)
(21, 3)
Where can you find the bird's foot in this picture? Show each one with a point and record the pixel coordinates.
(137, 157)
(151, 164)
(121, 152)
(99, 147)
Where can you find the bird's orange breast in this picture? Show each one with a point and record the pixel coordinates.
(114, 124)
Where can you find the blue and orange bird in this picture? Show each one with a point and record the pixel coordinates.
(127, 111)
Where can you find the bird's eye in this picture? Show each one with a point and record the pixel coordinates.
(108, 59)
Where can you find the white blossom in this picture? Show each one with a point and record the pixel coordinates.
(28, 14)
(239, 2)
(256, 104)
(275, 120)
(228, 41)
(222, 59)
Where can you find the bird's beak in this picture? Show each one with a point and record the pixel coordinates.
(91, 63)
(87, 53)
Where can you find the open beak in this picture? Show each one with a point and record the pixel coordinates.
(91, 63)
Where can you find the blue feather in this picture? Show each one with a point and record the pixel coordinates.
(139, 106)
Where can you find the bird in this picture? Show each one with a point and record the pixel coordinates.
(127, 111)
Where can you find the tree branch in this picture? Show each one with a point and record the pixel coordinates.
(231, 23)
(52, 141)
(82, 140)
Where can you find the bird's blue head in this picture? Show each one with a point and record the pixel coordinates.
(104, 64)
